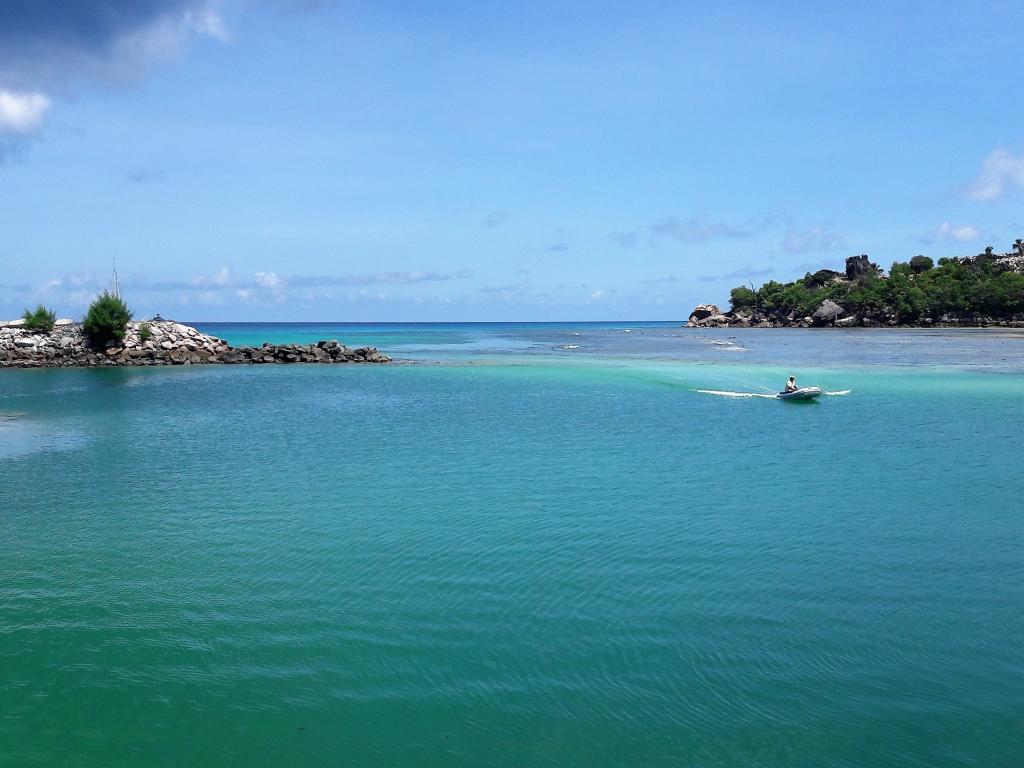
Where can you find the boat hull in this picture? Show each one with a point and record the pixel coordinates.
(804, 393)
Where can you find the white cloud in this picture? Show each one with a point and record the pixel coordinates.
(49, 48)
(695, 229)
(206, 21)
(22, 113)
(625, 239)
(268, 279)
(1000, 171)
(221, 277)
(813, 239)
(223, 286)
(948, 231)
(495, 219)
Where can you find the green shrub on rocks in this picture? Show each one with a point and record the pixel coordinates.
(145, 331)
(42, 319)
(107, 319)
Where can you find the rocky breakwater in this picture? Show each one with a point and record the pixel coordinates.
(159, 342)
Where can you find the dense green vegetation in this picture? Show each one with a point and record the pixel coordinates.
(107, 318)
(41, 319)
(912, 292)
(145, 331)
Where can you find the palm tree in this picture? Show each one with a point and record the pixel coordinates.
(1018, 246)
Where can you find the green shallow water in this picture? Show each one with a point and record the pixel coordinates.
(538, 562)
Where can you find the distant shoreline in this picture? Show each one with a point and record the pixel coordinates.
(980, 291)
(994, 325)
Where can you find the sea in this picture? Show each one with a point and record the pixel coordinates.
(533, 544)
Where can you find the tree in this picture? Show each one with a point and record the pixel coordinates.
(907, 300)
(107, 319)
(1018, 247)
(970, 288)
(742, 298)
(920, 264)
(42, 319)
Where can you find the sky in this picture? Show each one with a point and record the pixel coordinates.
(453, 161)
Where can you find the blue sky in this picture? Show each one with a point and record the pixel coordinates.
(290, 160)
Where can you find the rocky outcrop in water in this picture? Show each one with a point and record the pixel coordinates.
(917, 294)
(832, 315)
(168, 343)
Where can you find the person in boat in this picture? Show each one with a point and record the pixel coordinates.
(791, 385)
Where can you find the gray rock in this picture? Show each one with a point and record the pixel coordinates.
(859, 266)
(702, 312)
(828, 312)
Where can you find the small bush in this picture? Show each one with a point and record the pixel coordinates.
(42, 319)
(145, 331)
(107, 319)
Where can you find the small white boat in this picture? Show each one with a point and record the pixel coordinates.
(804, 393)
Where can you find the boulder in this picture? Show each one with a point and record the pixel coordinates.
(823, 277)
(828, 312)
(702, 312)
(860, 266)
(715, 321)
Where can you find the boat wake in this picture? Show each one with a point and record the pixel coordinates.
(722, 393)
(725, 346)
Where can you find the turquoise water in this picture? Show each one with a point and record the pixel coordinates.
(524, 555)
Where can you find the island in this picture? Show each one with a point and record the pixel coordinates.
(66, 344)
(973, 291)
